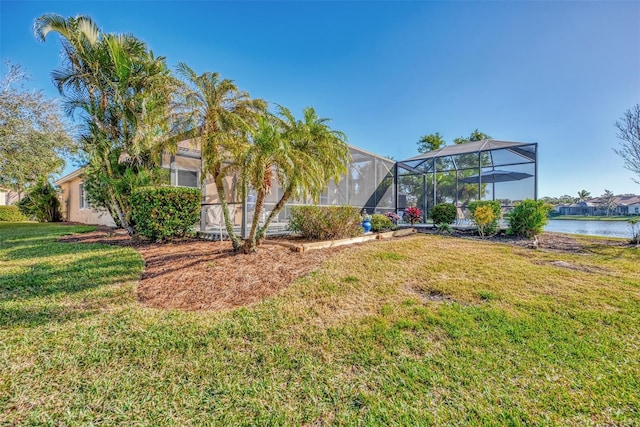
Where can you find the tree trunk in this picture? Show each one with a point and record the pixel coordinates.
(121, 216)
(118, 205)
(250, 243)
(262, 231)
(235, 241)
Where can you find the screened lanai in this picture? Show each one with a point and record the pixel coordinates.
(479, 170)
(368, 184)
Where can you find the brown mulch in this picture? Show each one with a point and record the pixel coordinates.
(193, 274)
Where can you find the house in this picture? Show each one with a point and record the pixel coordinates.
(75, 204)
(626, 204)
(8, 197)
(485, 169)
(368, 184)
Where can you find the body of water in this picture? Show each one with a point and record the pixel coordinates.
(590, 228)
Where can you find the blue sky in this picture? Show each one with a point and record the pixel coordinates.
(556, 73)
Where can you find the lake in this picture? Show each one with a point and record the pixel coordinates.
(591, 228)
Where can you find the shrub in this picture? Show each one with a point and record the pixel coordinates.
(444, 228)
(394, 217)
(484, 218)
(413, 214)
(444, 213)
(326, 222)
(380, 222)
(41, 203)
(528, 218)
(634, 223)
(160, 213)
(11, 214)
(494, 206)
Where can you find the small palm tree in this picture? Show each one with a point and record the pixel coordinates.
(316, 154)
(220, 117)
(266, 159)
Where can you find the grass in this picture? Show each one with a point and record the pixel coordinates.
(416, 331)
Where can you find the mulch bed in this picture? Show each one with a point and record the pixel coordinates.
(193, 274)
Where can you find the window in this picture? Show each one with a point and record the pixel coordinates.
(83, 200)
(187, 178)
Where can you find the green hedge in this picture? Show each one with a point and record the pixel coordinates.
(528, 218)
(11, 214)
(444, 213)
(326, 222)
(162, 213)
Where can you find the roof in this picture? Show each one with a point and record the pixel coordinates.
(472, 147)
(76, 173)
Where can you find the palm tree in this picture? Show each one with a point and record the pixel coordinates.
(221, 118)
(583, 195)
(266, 159)
(316, 154)
(123, 93)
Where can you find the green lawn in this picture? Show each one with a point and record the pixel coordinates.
(416, 331)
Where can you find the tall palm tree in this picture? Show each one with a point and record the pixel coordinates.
(221, 118)
(316, 154)
(123, 93)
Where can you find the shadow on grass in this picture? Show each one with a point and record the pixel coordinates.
(36, 271)
(30, 316)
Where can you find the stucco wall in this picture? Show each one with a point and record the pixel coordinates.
(70, 201)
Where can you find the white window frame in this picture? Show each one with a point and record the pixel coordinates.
(177, 177)
(83, 200)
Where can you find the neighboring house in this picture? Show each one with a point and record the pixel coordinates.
(626, 204)
(579, 208)
(8, 197)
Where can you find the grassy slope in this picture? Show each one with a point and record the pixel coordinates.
(516, 340)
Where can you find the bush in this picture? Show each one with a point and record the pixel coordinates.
(444, 228)
(444, 213)
(11, 214)
(413, 214)
(161, 213)
(494, 206)
(326, 222)
(41, 203)
(528, 218)
(634, 223)
(484, 218)
(381, 222)
(394, 217)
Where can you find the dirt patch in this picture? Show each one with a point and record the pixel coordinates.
(428, 295)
